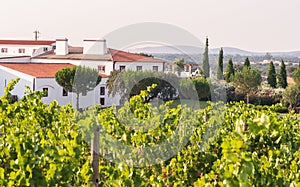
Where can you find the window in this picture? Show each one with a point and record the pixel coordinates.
(45, 49)
(4, 50)
(102, 90)
(102, 101)
(101, 69)
(33, 51)
(64, 92)
(155, 68)
(46, 92)
(21, 50)
(122, 68)
(139, 68)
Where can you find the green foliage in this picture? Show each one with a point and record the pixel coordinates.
(129, 83)
(247, 81)
(220, 75)
(229, 73)
(292, 96)
(85, 80)
(297, 75)
(247, 63)
(65, 78)
(179, 65)
(146, 55)
(205, 63)
(272, 75)
(41, 145)
(199, 84)
(282, 77)
(79, 79)
(231, 145)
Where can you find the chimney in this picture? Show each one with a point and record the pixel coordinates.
(62, 47)
(94, 47)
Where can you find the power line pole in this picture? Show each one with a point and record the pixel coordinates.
(36, 34)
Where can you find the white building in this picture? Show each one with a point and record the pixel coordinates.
(38, 70)
(24, 48)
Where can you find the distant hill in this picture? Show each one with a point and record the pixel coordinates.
(199, 50)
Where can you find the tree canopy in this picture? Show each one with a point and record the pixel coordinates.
(179, 65)
(79, 80)
(129, 83)
(247, 81)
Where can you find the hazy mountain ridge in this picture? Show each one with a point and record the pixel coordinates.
(200, 50)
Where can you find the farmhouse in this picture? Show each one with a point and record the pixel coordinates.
(36, 67)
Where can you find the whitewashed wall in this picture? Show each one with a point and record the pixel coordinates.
(133, 65)
(7, 75)
(13, 50)
(55, 92)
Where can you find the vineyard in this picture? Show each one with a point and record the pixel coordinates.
(142, 144)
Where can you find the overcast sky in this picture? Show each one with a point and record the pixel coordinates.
(256, 25)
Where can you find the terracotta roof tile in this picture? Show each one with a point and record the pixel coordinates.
(122, 56)
(39, 70)
(27, 42)
(103, 75)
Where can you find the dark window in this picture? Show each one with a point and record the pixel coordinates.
(155, 68)
(46, 92)
(139, 68)
(102, 101)
(102, 90)
(21, 50)
(45, 49)
(4, 50)
(64, 93)
(122, 68)
(101, 69)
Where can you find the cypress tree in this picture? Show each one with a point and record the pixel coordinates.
(247, 63)
(282, 78)
(205, 64)
(272, 75)
(229, 70)
(220, 66)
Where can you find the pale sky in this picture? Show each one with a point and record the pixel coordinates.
(256, 25)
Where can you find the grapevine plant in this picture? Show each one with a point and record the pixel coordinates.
(234, 144)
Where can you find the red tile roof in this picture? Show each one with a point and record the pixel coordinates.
(27, 42)
(103, 75)
(121, 56)
(39, 70)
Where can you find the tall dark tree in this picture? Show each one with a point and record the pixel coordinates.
(282, 77)
(229, 71)
(247, 63)
(79, 80)
(272, 75)
(220, 75)
(205, 64)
